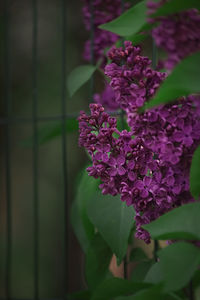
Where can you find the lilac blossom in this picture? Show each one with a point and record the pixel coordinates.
(178, 34)
(132, 79)
(151, 170)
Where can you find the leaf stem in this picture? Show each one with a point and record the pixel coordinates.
(125, 268)
(155, 250)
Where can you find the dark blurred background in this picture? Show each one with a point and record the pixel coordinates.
(52, 253)
(50, 169)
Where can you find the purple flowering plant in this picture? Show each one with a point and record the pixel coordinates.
(143, 176)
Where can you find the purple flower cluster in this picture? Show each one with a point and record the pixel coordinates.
(132, 78)
(178, 34)
(103, 12)
(172, 133)
(121, 162)
(151, 170)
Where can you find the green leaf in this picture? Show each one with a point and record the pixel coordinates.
(82, 295)
(178, 262)
(81, 224)
(115, 287)
(180, 223)
(153, 293)
(195, 174)
(140, 271)
(48, 133)
(97, 261)
(78, 77)
(136, 39)
(154, 275)
(122, 123)
(183, 80)
(137, 254)
(196, 279)
(130, 22)
(176, 6)
(113, 219)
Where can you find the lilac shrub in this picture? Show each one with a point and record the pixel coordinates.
(151, 170)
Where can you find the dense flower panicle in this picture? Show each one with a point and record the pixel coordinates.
(151, 170)
(119, 161)
(178, 34)
(103, 11)
(107, 98)
(132, 79)
(172, 132)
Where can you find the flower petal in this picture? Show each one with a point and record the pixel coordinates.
(121, 170)
(139, 184)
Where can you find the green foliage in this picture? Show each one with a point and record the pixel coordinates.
(180, 223)
(196, 279)
(82, 295)
(122, 124)
(97, 261)
(78, 77)
(136, 39)
(153, 293)
(154, 274)
(50, 132)
(176, 6)
(113, 219)
(183, 81)
(115, 287)
(129, 23)
(195, 174)
(178, 263)
(137, 254)
(140, 271)
(82, 226)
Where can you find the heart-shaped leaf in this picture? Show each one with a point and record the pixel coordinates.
(178, 262)
(152, 293)
(180, 223)
(114, 221)
(115, 287)
(154, 275)
(195, 174)
(176, 6)
(130, 22)
(97, 261)
(183, 81)
(78, 77)
(140, 271)
(82, 226)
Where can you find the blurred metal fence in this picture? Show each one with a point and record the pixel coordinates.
(8, 122)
